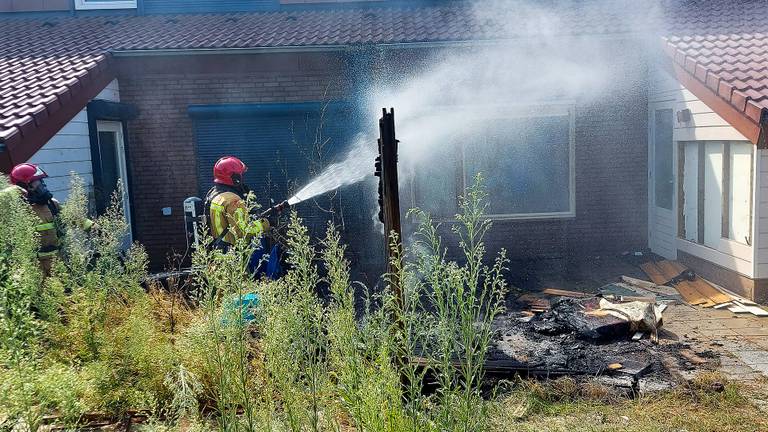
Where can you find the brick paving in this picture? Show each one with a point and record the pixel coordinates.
(740, 340)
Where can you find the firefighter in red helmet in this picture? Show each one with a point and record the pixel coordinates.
(28, 181)
(226, 206)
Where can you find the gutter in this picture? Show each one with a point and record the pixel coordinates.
(344, 48)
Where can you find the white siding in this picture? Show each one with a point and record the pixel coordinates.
(761, 214)
(690, 198)
(713, 204)
(706, 125)
(70, 150)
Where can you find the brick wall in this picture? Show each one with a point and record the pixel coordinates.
(611, 146)
(161, 140)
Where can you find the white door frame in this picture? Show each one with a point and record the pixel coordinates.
(122, 165)
(659, 217)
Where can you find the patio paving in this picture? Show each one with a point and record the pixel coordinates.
(740, 340)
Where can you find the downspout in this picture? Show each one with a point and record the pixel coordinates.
(762, 141)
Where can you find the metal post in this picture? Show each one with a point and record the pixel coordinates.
(390, 196)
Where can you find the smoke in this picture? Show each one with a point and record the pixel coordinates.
(450, 102)
(538, 65)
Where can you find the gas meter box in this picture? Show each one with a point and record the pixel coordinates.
(194, 216)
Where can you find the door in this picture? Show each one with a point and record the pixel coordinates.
(662, 223)
(113, 169)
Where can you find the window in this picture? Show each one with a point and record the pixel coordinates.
(716, 191)
(662, 148)
(105, 4)
(526, 160)
(325, 1)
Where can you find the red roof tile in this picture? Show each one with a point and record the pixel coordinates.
(47, 61)
(724, 45)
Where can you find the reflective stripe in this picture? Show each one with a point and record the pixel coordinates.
(45, 227)
(217, 219)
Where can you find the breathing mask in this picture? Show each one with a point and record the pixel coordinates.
(41, 194)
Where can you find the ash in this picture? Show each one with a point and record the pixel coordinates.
(565, 341)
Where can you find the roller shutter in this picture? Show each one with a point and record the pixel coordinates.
(279, 143)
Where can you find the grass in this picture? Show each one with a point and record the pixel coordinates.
(91, 339)
(558, 407)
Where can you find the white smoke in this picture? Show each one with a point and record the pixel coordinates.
(534, 61)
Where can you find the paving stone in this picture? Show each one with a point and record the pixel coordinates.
(752, 331)
(709, 333)
(761, 367)
(752, 357)
(738, 323)
(759, 341)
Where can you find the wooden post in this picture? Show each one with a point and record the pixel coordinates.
(390, 195)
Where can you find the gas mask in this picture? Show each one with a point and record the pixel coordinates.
(41, 194)
(239, 186)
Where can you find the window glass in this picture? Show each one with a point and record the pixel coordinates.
(109, 169)
(105, 4)
(662, 140)
(525, 162)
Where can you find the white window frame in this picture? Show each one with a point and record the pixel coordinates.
(88, 5)
(116, 127)
(728, 252)
(517, 111)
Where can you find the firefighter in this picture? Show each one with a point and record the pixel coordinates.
(28, 181)
(225, 205)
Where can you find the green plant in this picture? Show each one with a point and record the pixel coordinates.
(460, 302)
(20, 276)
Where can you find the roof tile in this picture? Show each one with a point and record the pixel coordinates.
(45, 60)
(54, 57)
(730, 43)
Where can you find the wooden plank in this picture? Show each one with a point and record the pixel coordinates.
(566, 293)
(715, 295)
(654, 273)
(669, 269)
(691, 295)
(705, 288)
(698, 291)
(754, 310)
(675, 267)
(649, 286)
(737, 309)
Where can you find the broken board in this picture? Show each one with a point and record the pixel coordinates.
(695, 292)
(566, 293)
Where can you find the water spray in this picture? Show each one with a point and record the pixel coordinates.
(355, 167)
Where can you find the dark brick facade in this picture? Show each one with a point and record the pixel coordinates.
(610, 140)
(161, 140)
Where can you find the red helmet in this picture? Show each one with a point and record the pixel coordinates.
(229, 170)
(24, 174)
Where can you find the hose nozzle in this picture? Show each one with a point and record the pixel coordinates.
(279, 208)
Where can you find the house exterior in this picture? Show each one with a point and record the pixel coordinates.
(707, 140)
(169, 86)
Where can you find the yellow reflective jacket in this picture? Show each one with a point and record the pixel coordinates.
(47, 227)
(230, 220)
